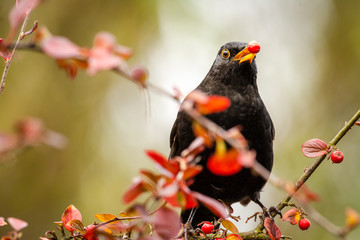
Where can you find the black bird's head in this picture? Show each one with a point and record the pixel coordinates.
(235, 63)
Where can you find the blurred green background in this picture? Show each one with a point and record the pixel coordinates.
(309, 71)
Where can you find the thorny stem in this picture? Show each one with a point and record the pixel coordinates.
(8, 62)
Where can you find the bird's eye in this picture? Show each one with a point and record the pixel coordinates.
(225, 53)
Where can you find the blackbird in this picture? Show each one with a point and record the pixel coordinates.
(233, 75)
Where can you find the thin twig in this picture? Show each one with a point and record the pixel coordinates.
(8, 62)
(130, 218)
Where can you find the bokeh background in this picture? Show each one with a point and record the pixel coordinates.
(309, 71)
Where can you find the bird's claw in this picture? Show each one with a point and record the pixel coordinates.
(271, 212)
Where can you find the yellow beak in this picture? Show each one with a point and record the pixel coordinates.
(248, 53)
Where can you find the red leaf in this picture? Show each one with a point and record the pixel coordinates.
(167, 223)
(90, 232)
(60, 47)
(200, 131)
(17, 15)
(272, 230)
(225, 164)
(190, 199)
(213, 104)
(70, 213)
(171, 166)
(157, 157)
(17, 224)
(213, 205)
(293, 216)
(183, 199)
(135, 189)
(314, 148)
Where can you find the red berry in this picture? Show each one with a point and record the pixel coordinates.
(253, 47)
(337, 156)
(304, 223)
(207, 227)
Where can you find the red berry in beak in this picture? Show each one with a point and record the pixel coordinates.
(253, 47)
(337, 157)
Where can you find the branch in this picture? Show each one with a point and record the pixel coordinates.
(8, 62)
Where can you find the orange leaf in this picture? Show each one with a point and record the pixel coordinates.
(234, 237)
(293, 216)
(229, 226)
(105, 217)
(200, 131)
(70, 213)
(272, 230)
